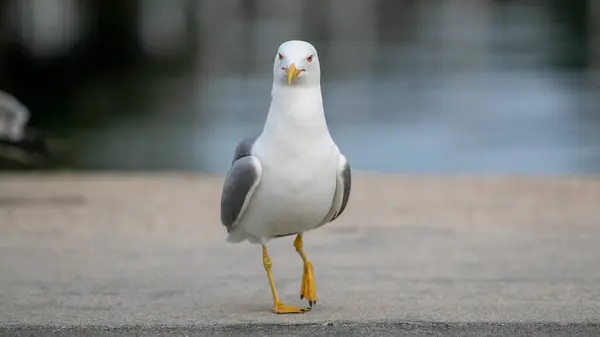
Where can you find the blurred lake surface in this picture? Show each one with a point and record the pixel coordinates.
(465, 86)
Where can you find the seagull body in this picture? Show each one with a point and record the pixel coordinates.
(299, 162)
(292, 178)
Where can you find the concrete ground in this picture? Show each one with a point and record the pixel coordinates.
(120, 254)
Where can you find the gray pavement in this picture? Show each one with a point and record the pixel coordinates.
(327, 329)
(145, 254)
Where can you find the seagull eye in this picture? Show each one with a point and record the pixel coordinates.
(309, 59)
(280, 56)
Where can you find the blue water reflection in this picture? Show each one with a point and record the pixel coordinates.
(470, 86)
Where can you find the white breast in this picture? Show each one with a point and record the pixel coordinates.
(296, 190)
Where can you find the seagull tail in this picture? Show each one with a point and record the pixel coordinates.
(235, 237)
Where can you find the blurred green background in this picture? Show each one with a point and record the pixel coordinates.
(410, 86)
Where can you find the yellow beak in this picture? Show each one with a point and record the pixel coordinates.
(292, 73)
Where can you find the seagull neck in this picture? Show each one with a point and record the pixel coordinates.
(301, 102)
(296, 110)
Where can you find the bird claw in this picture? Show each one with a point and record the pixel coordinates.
(286, 309)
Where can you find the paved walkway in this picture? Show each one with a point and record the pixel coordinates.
(147, 252)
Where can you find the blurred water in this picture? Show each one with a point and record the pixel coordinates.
(466, 86)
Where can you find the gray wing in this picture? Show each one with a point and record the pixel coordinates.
(342, 191)
(241, 182)
(244, 148)
(346, 185)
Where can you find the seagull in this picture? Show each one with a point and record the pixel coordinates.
(292, 177)
(17, 140)
(13, 118)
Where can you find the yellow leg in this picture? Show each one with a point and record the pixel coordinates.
(307, 289)
(278, 307)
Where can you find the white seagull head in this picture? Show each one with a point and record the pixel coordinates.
(296, 64)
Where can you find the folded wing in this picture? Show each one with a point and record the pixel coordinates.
(342, 190)
(242, 180)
